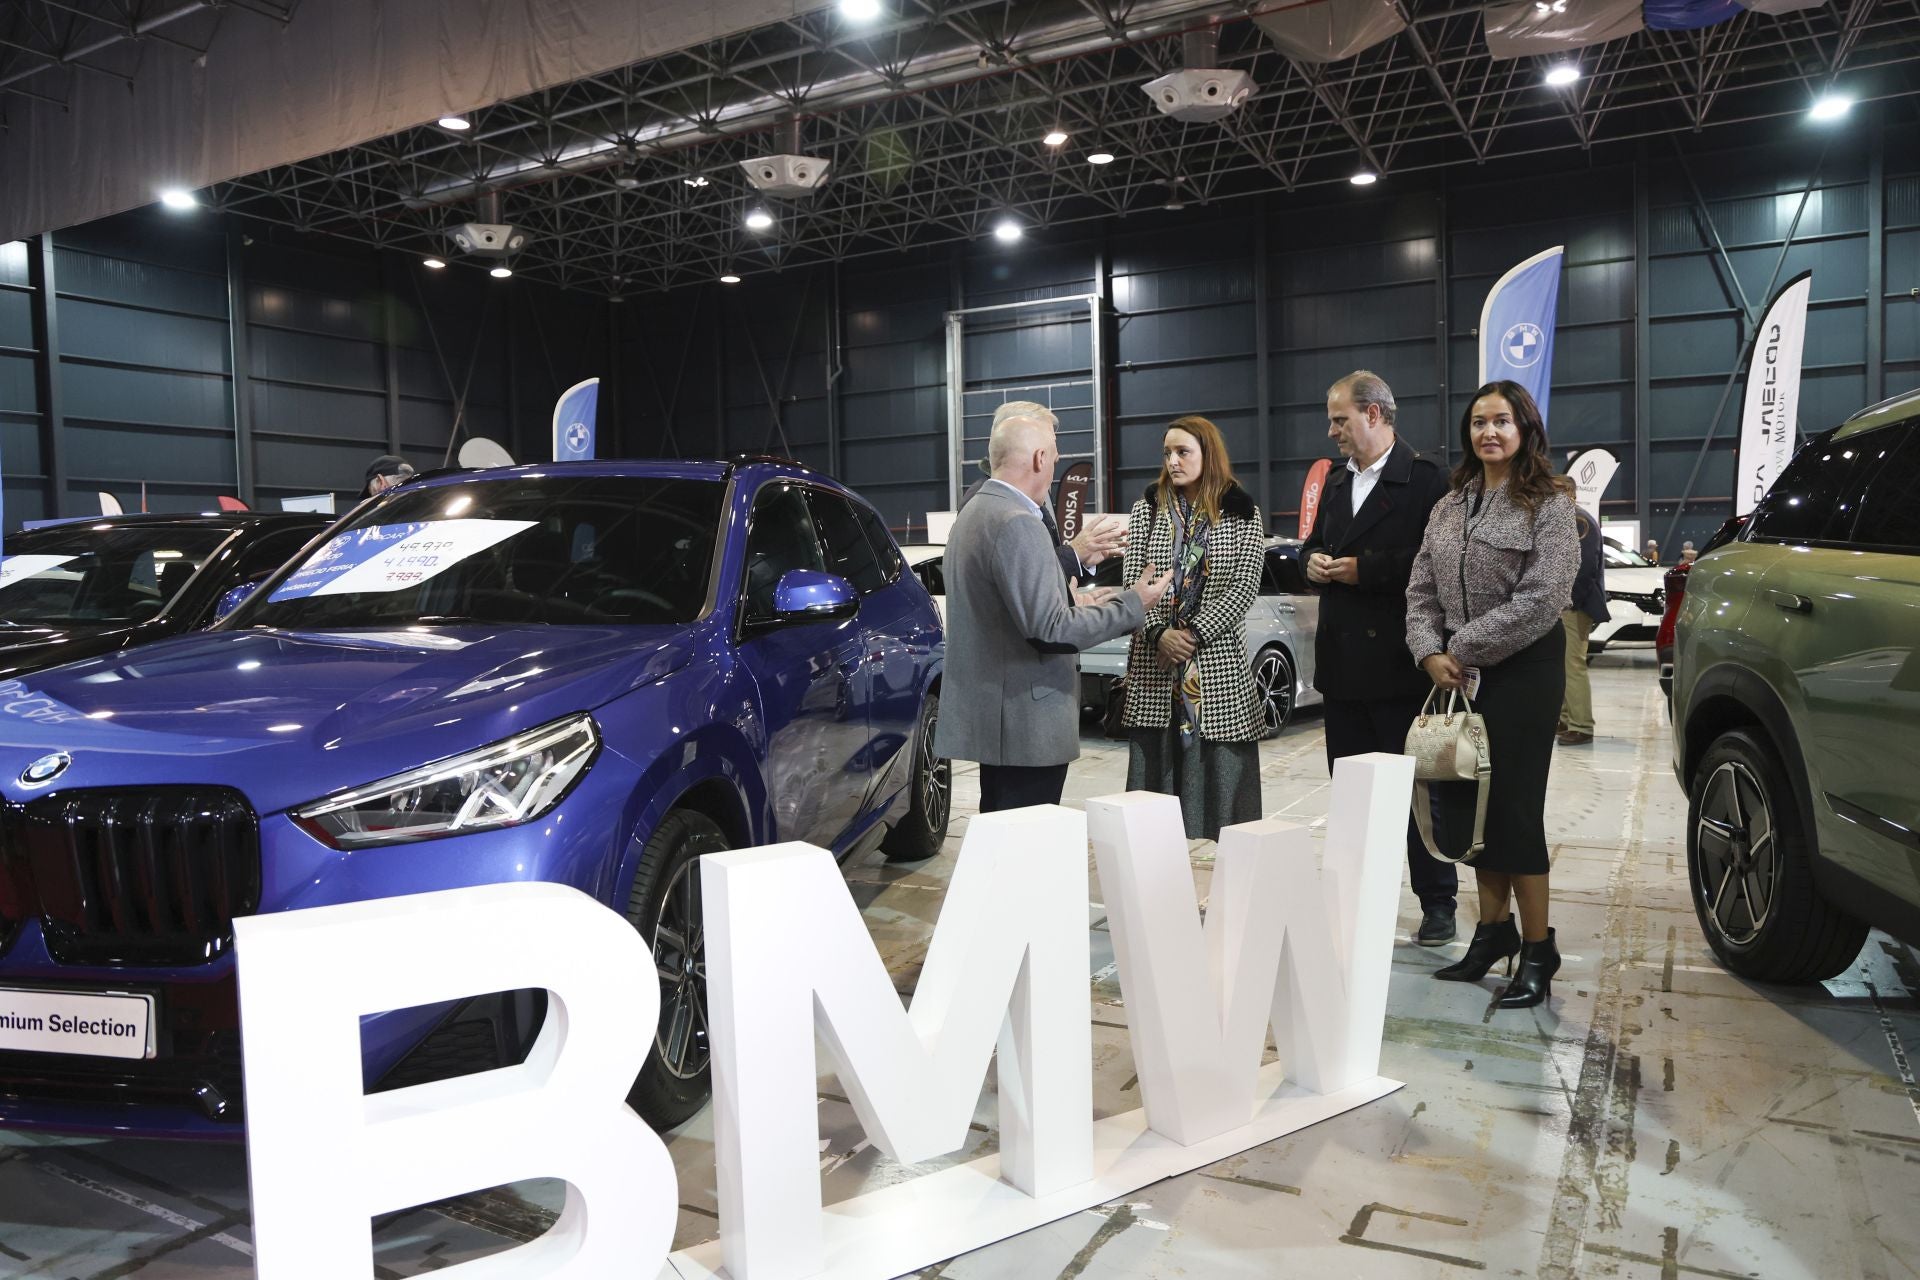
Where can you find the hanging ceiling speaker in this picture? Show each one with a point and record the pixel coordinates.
(1199, 94)
(488, 239)
(787, 175)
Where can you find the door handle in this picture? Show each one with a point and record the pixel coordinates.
(1790, 602)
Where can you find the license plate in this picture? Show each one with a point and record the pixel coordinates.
(90, 1023)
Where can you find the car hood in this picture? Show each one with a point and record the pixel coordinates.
(290, 716)
(1636, 581)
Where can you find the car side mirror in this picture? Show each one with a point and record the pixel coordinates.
(807, 595)
(236, 596)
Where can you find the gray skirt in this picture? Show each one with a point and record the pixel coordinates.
(1218, 782)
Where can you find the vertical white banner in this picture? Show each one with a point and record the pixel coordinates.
(1769, 414)
(1591, 473)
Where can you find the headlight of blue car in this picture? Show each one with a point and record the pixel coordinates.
(501, 785)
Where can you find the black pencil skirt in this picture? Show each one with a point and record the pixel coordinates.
(1520, 699)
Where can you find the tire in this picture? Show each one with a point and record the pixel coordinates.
(677, 1078)
(923, 830)
(1276, 685)
(1750, 869)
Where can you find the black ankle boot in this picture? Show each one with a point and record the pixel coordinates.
(1539, 961)
(1491, 943)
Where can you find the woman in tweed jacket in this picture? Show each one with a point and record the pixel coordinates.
(1192, 711)
(1492, 575)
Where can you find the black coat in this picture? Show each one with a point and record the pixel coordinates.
(1360, 650)
(1590, 587)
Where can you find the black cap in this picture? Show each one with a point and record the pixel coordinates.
(389, 464)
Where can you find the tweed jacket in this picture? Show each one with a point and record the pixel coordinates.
(1495, 581)
(1236, 553)
(1012, 678)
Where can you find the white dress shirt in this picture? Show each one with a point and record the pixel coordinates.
(1364, 480)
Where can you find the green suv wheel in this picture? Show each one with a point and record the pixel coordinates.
(1752, 881)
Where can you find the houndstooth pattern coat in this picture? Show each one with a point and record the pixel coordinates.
(1236, 553)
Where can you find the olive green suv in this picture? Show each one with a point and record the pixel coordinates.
(1796, 708)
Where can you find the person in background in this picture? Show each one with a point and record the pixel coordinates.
(1192, 712)
(1013, 632)
(1589, 607)
(1494, 572)
(1652, 552)
(384, 472)
(1090, 546)
(1687, 554)
(1361, 550)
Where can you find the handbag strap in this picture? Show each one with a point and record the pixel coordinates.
(1423, 814)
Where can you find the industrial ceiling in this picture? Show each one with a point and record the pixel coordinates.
(933, 116)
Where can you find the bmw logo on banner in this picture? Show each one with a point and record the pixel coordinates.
(1516, 326)
(573, 422)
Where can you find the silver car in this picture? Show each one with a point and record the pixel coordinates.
(1280, 630)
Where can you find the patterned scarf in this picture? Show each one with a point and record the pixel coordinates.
(1191, 532)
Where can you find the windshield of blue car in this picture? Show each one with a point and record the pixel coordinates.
(93, 574)
(530, 549)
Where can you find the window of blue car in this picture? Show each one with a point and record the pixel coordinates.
(884, 547)
(98, 574)
(780, 538)
(850, 553)
(531, 549)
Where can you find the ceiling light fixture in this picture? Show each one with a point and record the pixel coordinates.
(1830, 106)
(1364, 178)
(1564, 74)
(501, 273)
(436, 264)
(758, 220)
(459, 124)
(1055, 137)
(695, 181)
(177, 199)
(1100, 157)
(729, 278)
(1007, 231)
(860, 10)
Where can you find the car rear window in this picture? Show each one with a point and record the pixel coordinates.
(1890, 508)
(1818, 496)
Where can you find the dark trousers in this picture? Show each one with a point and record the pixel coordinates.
(1357, 726)
(1015, 786)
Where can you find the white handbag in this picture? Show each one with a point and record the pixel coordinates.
(1450, 745)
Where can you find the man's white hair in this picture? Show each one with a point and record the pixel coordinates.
(1025, 408)
(1016, 436)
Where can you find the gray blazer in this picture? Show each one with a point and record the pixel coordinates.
(1010, 695)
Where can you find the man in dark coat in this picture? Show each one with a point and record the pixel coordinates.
(1373, 514)
(1589, 607)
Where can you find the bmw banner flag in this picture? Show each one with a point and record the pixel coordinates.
(573, 422)
(1516, 326)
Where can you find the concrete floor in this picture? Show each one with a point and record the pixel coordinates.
(1658, 1119)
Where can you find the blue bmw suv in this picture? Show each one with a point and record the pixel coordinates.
(588, 673)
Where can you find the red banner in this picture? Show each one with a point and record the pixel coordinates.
(1070, 500)
(1310, 494)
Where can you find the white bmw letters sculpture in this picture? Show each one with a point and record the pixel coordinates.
(1298, 939)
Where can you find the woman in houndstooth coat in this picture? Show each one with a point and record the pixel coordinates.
(1192, 711)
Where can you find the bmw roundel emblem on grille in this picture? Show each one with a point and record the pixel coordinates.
(45, 769)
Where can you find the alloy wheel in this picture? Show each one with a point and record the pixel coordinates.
(1273, 678)
(679, 954)
(933, 776)
(1738, 853)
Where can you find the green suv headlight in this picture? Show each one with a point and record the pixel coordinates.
(509, 782)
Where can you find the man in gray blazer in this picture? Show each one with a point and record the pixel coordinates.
(1010, 698)
(1091, 545)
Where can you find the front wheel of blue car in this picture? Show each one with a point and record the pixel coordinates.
(664, 906)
